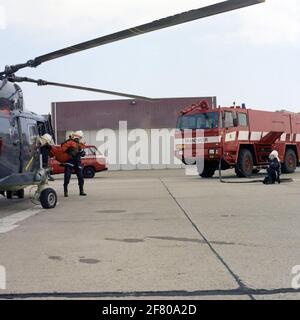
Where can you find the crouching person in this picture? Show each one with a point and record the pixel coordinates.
(274, 169)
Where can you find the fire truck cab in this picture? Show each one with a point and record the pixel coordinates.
(238, 137)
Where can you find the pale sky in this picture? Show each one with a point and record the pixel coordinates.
(249, 56)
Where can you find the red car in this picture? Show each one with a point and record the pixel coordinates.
(93, 162)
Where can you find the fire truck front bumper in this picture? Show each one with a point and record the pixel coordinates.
(208, 154)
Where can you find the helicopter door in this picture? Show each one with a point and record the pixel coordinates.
(30, 157)
(9, 147)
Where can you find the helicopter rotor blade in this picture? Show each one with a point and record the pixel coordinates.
(170, 21)
(150, 27)
(41, 82)
(114, 93)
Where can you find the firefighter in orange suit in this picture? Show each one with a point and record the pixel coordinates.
(74, 147)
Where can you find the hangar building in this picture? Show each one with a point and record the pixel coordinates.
(132, 134)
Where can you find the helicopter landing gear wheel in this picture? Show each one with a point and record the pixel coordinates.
(9, 195)
(48, 198)
(21, 194)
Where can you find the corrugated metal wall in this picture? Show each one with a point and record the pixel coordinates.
(95, 115)
(100, 121)
(140, 149)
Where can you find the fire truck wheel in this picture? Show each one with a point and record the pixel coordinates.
(290, 162)
(244, 166)
(188, 162)
(208, 172)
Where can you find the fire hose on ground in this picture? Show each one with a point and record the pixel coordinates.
(282, 180)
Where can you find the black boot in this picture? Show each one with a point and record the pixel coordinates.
(81, 192)
(66, 191)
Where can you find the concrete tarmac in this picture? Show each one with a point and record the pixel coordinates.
(154, 234)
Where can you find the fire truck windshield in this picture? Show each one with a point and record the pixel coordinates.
(209, 120)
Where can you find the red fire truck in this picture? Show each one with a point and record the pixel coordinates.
(242, 138)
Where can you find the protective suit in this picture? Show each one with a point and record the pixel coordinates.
(274, 169)
(74, 148)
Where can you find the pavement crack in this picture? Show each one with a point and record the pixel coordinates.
(240, 283)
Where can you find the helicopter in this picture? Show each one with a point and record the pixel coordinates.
(20, 154)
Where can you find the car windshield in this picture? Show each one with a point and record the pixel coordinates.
(91, 151)
(208, 120)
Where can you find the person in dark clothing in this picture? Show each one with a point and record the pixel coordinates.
(274, 169)
(75, 149)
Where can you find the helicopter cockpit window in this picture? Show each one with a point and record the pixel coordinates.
(32, 134)
(11, 96)
(5, 104)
